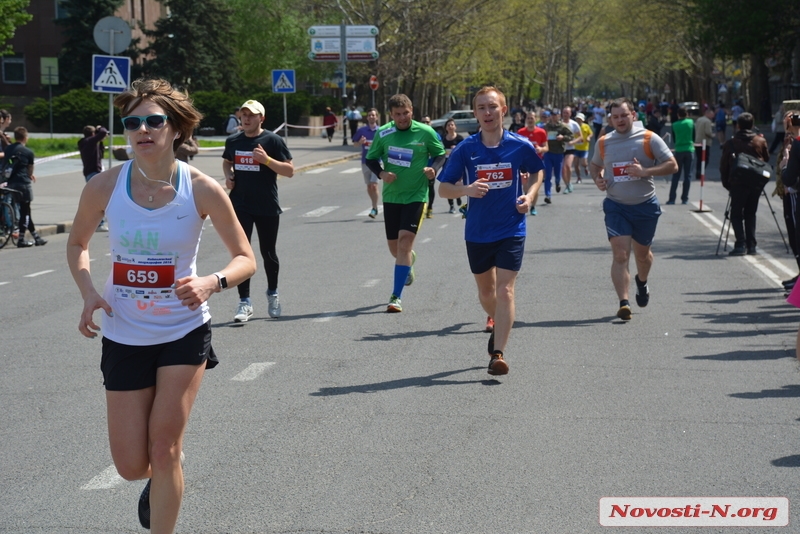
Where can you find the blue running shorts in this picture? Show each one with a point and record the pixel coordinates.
(638, 220)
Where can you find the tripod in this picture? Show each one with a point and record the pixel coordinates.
(727, 220)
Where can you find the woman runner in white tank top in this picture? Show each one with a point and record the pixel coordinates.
(156, 323)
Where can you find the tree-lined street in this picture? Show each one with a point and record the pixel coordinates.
(338, 417)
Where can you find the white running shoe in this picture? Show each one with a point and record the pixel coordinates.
(273, 305)
(243, 312)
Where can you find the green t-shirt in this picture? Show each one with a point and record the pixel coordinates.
(406, 153)
(684, 135)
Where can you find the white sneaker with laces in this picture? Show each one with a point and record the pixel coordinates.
(273, 305)
(243, 312)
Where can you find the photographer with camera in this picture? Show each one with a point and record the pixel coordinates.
(788, 166)
(744, 193)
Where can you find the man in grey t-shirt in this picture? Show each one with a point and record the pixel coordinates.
(624, 164)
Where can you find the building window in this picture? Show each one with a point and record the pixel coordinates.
(61, 11)
(141, 13)
(14, 69)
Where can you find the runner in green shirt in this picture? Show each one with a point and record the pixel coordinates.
(400, 155)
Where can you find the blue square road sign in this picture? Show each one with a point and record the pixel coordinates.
(110, 74)
(283, 81)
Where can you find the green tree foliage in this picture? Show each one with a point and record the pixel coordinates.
(12, 16)
(272, 34)
(192, 46)
(71, 111)
(75, 59)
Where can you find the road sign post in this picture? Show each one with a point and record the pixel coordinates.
(119, 37)
(373, 84)
(283, 81)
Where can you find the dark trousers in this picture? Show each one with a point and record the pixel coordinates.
(25, 221)
(698, 153)
(267, 228)
(777, 141)
(684, 166)
(744, 204)
(790, 218)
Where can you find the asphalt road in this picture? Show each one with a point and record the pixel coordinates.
(340, 418)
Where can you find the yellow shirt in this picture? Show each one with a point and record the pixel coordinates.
(586, 133)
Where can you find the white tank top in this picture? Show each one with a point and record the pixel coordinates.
(150, 249)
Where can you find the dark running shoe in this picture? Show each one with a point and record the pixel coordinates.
(624, 313)
(497, 365)
(789, 284)
(144, 506)
(642, 293)
(490, 346)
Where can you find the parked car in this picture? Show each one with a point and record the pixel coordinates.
(692, 108)
(465, 121)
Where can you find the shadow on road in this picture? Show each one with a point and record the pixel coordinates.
(745, 355)
(411, 382)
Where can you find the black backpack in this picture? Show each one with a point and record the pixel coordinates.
(750, 171)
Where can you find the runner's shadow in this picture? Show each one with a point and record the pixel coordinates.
(787, 461)
(412, 382)
(447, 331)
(745, 355)
(783, 393)
(355, 312)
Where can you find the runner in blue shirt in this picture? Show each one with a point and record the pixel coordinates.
(493, 163)
(363, 136)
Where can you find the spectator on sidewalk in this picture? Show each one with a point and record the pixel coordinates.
(21, 179)
(5, 122)
(187, 150)
(234, 124)
(329, 122)
(92, 149)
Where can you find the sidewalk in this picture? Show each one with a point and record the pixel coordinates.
(59, 183)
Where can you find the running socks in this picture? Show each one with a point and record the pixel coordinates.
(400, 275)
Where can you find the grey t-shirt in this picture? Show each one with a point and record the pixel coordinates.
(620, 150)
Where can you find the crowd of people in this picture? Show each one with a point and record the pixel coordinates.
(154, 305)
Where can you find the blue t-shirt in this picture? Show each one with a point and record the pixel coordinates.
(367, 133)
(495, 216)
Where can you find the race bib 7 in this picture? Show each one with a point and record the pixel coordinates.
(620, 172)
(498, 175)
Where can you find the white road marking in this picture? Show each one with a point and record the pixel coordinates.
(714, 225)
(253, 371)
(325, 317)
(426, 240)
(368, 283)
(365, 213)
(318, 170)
(319, 212)
(442, 227)
(105, 480)
(4, 283)
(351, 171)
(39, 273)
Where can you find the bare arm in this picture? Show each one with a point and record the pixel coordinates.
(227, 170)
(284, 168)
(91, 208)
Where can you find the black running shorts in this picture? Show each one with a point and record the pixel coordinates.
(398, 217)
(132, 367)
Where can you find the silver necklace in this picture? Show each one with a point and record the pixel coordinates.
(169, 183)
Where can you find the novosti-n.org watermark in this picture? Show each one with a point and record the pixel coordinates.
(694, 511)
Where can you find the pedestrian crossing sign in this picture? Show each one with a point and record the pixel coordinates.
(283, 81)
(110, 74)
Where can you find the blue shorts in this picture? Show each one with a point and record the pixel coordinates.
(580, 154)
(638, 220)
(504, 254)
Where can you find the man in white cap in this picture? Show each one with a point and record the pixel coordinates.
(252, 161)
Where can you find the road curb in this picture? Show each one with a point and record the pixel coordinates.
(66, 226)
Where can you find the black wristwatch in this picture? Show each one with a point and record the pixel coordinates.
(223, 281)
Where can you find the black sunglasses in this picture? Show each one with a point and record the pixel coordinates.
(133, 122)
